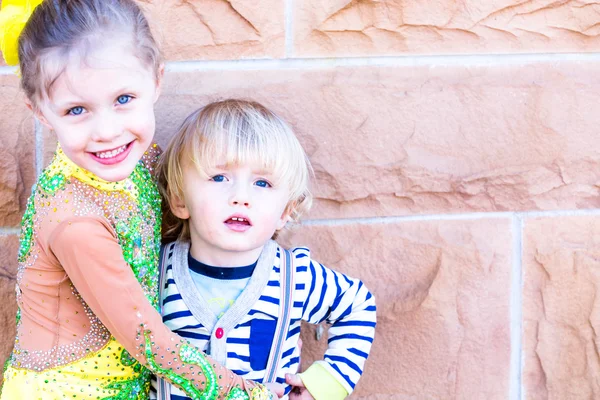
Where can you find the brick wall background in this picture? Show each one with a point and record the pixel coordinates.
(456, 154)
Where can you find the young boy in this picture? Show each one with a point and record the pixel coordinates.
(232, 177)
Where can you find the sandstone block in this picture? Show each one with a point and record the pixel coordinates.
(9, 246)
(442, 292)
(418, 140)
(215, 29)
(561, 260)
(17, 164)
(374, 27)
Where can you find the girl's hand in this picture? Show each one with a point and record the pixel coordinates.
(277, 390)
(299, 391)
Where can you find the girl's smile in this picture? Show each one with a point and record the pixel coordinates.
(102, 110)
(113, 156)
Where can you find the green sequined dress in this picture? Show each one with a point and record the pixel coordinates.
(87, 294)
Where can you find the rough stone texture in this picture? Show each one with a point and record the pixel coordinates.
(218, 29)
(17, 138)
(561, 309)
(386, 27)
(442, 291)
(8, 307)
(410, 140)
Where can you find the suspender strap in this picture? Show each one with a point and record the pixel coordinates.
(286, 283)
(163, 390)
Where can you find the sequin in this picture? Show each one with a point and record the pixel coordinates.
(133, 207)
(189, 355)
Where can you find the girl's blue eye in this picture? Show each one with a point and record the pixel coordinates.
(218, 178)
(124, 99)
(75, 111)
(263, 183)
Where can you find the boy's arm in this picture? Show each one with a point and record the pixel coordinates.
(348, 306)
(90, 254)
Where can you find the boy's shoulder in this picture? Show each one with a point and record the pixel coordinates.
(298, 252)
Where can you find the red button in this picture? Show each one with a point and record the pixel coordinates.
(219, 333)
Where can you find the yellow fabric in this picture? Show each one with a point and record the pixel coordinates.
(13, 16)
(321, 384)
(78, 380)
(62, 164)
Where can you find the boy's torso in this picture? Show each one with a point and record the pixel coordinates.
(242, 338)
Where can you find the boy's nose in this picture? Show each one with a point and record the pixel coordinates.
(239, 197)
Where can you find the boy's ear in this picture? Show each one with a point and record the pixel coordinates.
(178, 208)
(159, 81)
(286, 216)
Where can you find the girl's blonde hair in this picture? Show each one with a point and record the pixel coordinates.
(58, 28)
(236, 132)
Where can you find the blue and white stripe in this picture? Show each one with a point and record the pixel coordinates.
(320, 294)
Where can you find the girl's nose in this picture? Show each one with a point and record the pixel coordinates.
(106, 129)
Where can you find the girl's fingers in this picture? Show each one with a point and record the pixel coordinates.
(294, 380)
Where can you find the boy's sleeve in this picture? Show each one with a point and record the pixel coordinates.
(348, 306)
(90, 254)
(321, 384)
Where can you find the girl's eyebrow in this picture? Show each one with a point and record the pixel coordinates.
(66, 105)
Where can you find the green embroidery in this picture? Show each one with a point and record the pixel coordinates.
(238, 394)
(26, 239)
(189, 355)
(141, 253)
(50, 183)
(136, 388)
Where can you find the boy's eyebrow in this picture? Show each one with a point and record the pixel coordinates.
(262, 172)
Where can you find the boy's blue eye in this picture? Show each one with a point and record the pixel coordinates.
(78, 110)
(263, 183)
(124, 99)
(218, 178)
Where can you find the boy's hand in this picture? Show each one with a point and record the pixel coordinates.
(299, 391)
(277, 390)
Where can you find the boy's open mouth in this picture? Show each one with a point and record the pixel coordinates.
(238, 223)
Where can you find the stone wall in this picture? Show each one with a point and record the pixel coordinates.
(456, 157)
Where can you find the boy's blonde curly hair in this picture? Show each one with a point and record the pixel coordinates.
(238, 132)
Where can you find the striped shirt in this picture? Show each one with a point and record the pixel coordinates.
(241, 339)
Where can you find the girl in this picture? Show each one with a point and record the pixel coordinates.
(87, 325)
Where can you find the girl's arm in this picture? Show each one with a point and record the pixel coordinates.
(89, 252)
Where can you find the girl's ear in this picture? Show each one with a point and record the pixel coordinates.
(178, 208)
(159, 81)
(38, 113)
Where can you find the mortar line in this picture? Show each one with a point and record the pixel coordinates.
(7, 231)
(516, 309)
(474, 60)
(468, 60)
(450, 217)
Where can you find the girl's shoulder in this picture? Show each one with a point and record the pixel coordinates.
(150, 158)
